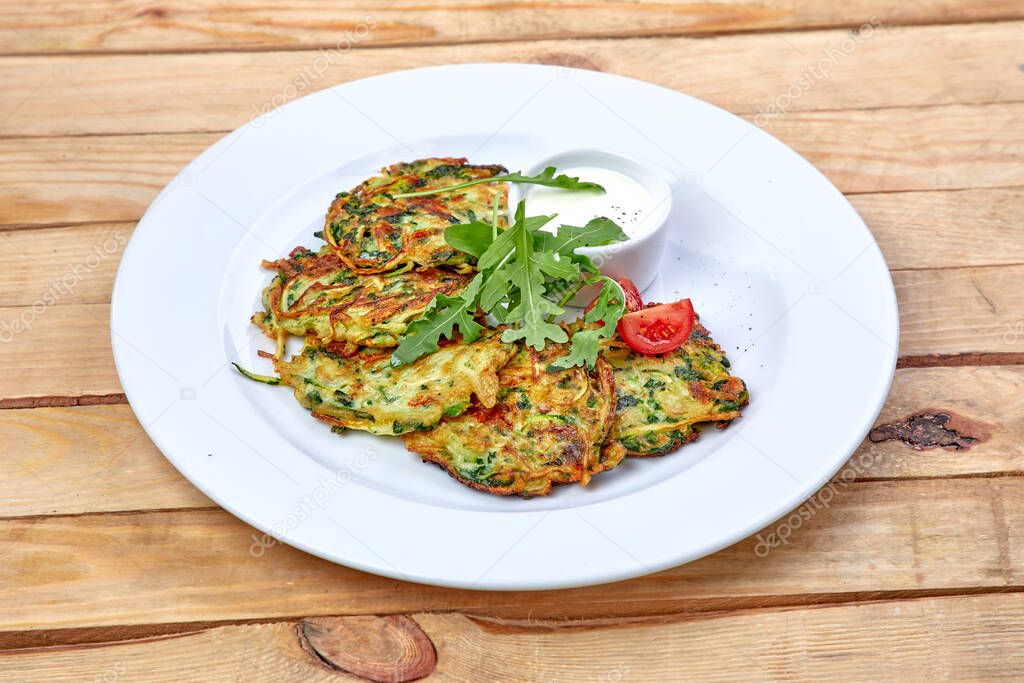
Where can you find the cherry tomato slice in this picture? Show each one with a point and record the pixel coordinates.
(658, 329)
(633, 300)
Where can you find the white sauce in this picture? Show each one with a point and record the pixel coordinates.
(625, 201)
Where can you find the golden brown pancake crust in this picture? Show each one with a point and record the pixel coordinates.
(546, 428)
(662, 400)
(316, 294)
(372, 232)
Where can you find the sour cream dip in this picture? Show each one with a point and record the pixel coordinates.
(625, 200)
(637, 196)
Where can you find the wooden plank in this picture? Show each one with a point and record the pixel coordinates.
(114, 178)
(944, 229)
(822, 70)
(950, 311)
(986, 407)
(88, 459)
(85, 459)
(73, 180)
(35, 341)
(979, 638)
(946, 311)
(69, 26)
(914, 229)
(70, 265)
(925, 148)
(867, 540)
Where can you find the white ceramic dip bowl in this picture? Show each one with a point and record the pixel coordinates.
(641, 208)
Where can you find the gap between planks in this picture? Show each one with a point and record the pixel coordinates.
(1006, 18)
(980, 74)
(699, 609)
(495, 40)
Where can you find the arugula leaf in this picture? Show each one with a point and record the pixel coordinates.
(568, 238)
(475, 237)
(609, 305)
(586, 345)
(558, 268)
(495, 289)
(534, 223)
(608, 309)
(499, 252)
(526, 277)
(472, 238)
(597, 232)
(526, 274)
(547, 178)
(441, 317)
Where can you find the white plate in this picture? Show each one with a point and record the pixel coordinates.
(780, 267)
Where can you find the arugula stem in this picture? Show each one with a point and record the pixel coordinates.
(575, 289)
(570, 294)
(494, 217)
(567, 297)
(503, 261)
(547, 178)
(450, 188)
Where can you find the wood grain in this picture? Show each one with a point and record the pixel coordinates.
(922, 148)
(90, 459)
(986, 410)
(799, 72)
(889, 641)
(68, 26)
(949, 311)
(944, 229)
(870, 642)
(909, 565)
(868, 539)
(76, 264)
(73, 180)
(390, 649)
(35, 344)
(943, 311)
(85, 459)
(114, 178)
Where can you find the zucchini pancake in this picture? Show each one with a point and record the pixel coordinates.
(373, 232)
(382, 307)
(662, 400)
(316, 294)
(364, 391)
(546, 428)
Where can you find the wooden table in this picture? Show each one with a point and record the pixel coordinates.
(116, 569)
